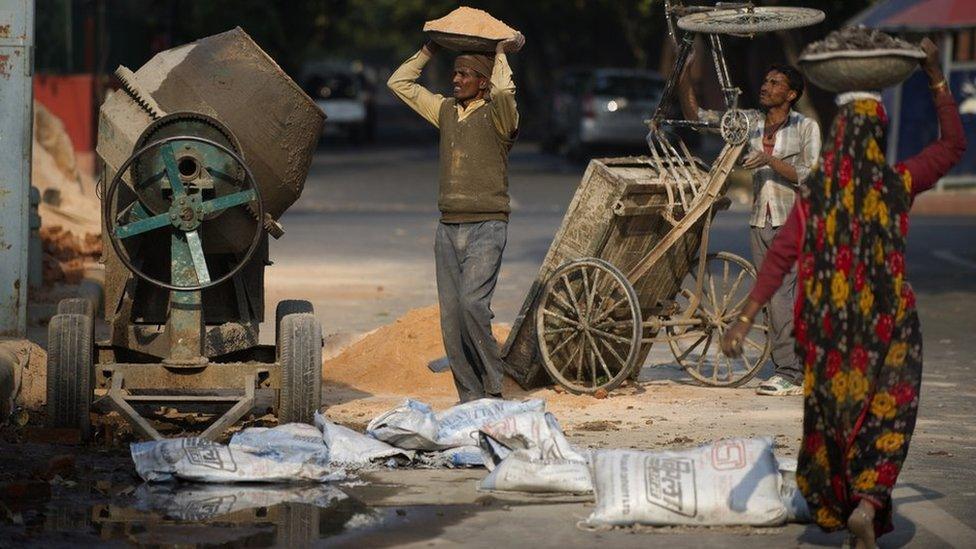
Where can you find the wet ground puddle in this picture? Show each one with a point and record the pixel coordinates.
(188, 515)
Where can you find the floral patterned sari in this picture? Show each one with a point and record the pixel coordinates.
(856, 326)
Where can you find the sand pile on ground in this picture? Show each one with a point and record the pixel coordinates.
(393, 359)
(69, 209)
(471, 22)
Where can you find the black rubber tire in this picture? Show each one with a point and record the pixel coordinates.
(76, 306)
(70, 372)
(300, 357)
(289, 307)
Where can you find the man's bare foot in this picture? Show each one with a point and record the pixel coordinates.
(861, 524)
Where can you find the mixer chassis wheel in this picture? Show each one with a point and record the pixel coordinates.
(70, 372)
(300, 356)
(287, 307)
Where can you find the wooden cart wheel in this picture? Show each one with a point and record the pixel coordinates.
(588, 323)
(728, 279)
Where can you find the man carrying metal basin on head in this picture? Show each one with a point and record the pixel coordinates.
(478, 126)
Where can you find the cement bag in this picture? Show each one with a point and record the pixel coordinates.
(797, 509)
(459, 425)
(352, 449)
(528, 452)
(414, 425)
(286, 453)
(520, 473)
(290, 441)
(536, 435)
(461, 456)
(201, 502)
(728, 482)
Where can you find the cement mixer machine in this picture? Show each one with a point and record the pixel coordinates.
(204, 148)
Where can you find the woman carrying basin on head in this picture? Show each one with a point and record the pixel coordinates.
(856, 327)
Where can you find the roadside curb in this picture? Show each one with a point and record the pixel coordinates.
(945, 203)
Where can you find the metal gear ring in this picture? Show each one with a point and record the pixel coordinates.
(735, 126)
(111, 223)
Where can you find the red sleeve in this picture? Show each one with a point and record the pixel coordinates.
(780, 258)
(936, 159)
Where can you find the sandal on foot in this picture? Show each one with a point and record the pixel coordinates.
(779, 386)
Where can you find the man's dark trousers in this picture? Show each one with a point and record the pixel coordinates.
(468, 258)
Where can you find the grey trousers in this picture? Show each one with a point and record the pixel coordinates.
(785, 360)
(468, 258)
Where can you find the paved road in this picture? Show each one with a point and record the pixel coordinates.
(359, 243)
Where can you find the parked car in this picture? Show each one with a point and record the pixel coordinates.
(346, 97)
(602, 107)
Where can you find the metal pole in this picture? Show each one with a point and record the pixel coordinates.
(69, 39)
(16, 113)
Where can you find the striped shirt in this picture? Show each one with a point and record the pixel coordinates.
(797, 144)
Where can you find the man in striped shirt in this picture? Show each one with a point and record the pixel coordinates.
(783, 149)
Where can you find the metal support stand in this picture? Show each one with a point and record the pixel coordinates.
(185, 324)
(119, 399)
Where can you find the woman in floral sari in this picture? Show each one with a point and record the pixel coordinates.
(856, 327)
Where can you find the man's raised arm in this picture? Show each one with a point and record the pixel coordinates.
(504, 110)
(403, 83)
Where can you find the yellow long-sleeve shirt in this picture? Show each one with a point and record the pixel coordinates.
(501, 98)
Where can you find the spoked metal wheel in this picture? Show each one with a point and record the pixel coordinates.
(725, 287)
(750, 20)
(588, 323)
(734, 126)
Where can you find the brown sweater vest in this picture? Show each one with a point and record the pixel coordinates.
(474, 167)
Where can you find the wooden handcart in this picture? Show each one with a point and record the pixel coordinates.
(629, 266)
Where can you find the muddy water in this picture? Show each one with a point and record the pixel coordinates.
(216, 516)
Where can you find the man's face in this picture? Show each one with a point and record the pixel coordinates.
(775, 90)
(468, 84)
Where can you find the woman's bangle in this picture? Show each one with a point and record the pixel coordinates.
(744, 318)
(941, 84)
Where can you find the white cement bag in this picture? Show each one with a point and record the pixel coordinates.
(461, 456)
(288, 442)
(519, 473)
(535, 435)
(528, 452)
(283, 454)
(352, 449)
(459, 425)
(728, 482)
(414, 425)
(797, 509)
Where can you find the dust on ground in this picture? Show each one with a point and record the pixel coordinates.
(388, 365)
